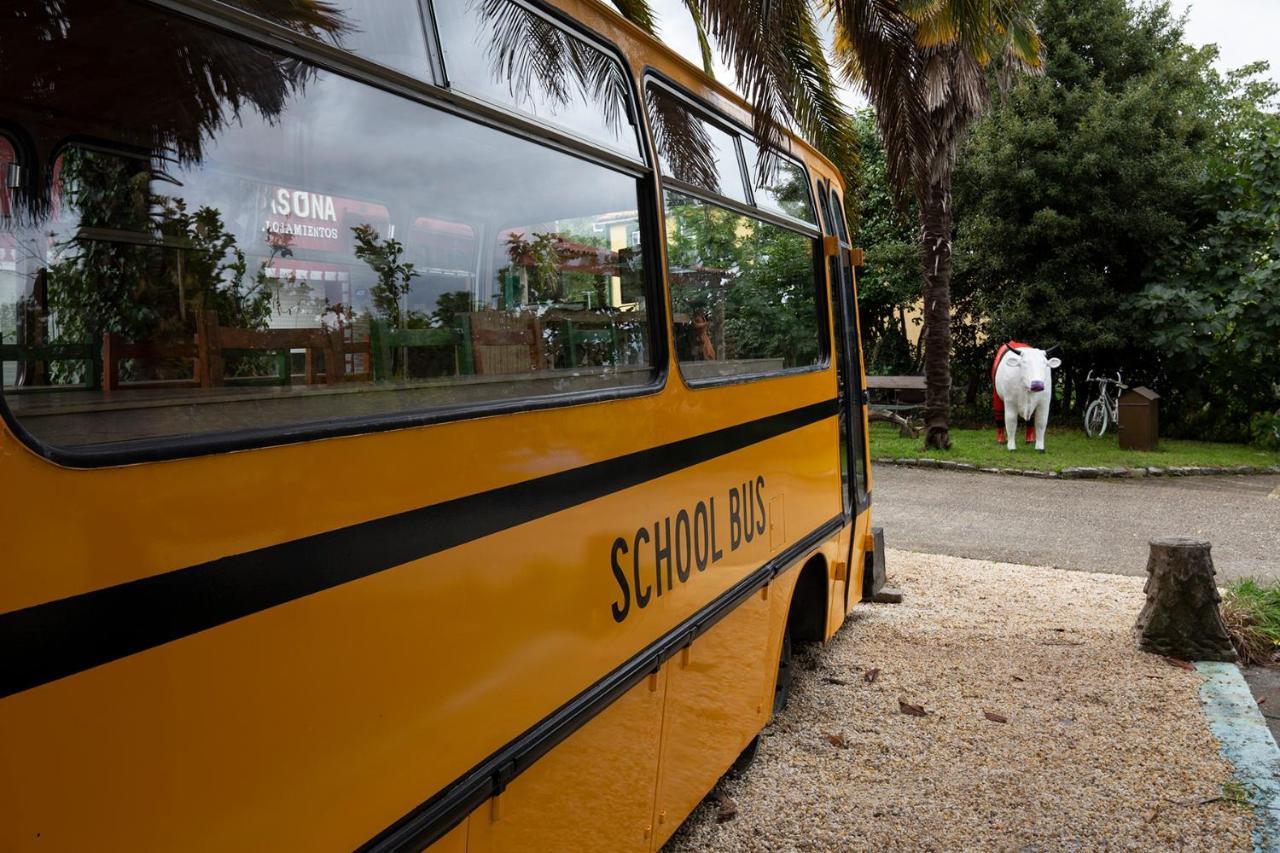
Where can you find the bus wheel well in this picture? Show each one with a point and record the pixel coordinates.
(807, 617)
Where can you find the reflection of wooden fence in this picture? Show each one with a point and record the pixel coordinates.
(45, 354)
(383, 341)
(216, 341)
(506, 343)
(484, 342)
(115, 350)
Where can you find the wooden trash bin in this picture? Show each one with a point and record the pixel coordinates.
(1139, 419)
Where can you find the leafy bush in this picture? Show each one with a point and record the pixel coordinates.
(1264, 430)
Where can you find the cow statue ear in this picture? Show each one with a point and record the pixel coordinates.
(1055, 363)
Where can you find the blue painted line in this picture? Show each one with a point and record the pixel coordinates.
(1237, 723)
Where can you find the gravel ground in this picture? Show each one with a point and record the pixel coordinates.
(1105, 747)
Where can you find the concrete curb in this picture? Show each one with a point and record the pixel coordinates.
(1083, 473)
(1237, 723)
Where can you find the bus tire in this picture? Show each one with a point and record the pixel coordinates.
(745, 758)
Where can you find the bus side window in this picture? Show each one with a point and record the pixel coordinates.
(318, 252)
(9, 298)
(742, 290)
(504, 53)
(381, 30)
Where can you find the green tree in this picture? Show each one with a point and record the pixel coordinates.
(1077, 183)
(889, 281)
(1212, 308)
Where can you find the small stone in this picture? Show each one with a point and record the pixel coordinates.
(888, 595)
(1119, 472)
(1137, 472)
(1156, 472)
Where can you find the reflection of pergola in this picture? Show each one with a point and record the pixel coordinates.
(579, 257)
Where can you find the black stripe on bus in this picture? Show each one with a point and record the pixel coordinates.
(59, 638)
(432, 819)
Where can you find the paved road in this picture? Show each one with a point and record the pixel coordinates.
(1091, 525)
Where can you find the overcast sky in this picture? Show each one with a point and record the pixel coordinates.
(1244, 30)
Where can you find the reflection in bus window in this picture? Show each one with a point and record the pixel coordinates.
(742, 291)
(691, 150)
(381, 30)
(500, 51)
(787, 190)
(8, 258)
(333, 252)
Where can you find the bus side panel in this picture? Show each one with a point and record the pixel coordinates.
(714, 709)
(592, 792)
(321, 721)
(455, 841)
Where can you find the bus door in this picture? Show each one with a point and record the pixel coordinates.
(851, 392)
(847, 349)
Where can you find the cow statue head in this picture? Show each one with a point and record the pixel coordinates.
(1035, 368)
(1023, 378)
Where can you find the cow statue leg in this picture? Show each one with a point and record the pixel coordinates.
(997, 406)
(1042, 423)
(1011, 427)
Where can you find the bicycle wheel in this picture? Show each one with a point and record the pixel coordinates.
(1095, 419)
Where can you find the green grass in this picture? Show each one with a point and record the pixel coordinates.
(1064, 448)
(1251, 610)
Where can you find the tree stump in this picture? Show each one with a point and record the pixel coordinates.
(1181, 618)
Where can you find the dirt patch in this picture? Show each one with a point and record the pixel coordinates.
(1043, 728)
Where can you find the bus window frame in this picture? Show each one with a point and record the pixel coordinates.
(265, 35)
(813, 231)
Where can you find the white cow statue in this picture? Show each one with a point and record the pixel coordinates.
(1024, 383)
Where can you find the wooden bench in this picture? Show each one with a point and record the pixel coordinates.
(905, 394)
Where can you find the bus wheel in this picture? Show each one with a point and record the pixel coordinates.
(745, 758)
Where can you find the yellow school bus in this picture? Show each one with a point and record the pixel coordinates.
(424, 426)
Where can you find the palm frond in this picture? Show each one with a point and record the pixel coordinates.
(876, 51)
(704, 44)
(682, 141)
(816, 107)
(538, 60)
(637, 12)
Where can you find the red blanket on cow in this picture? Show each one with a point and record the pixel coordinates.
(997, 403)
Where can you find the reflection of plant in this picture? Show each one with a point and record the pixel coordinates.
(394, 278)
(541, 259)
(150, 288)
(449, 306)
(746, 286)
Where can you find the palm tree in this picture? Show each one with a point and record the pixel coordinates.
(951, 54)
(922, 64)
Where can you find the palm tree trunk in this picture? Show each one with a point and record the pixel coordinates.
(936, 253)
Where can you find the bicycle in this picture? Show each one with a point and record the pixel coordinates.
(1105, 410)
